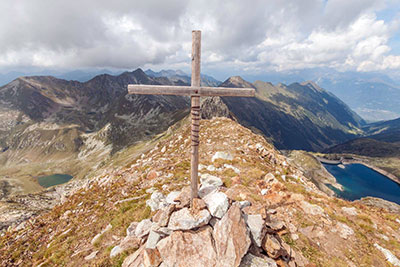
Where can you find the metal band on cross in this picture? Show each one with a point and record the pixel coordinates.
(194, 91)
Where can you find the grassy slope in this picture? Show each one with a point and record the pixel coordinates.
(62, 236)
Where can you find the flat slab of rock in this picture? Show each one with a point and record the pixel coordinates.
(272, 245)
(222, 155)
(188, 249)
(388, 255)
(129, 242)
(162, 215)
(151, 257)
(143, 228)
(91, 256)
(217, 203)
(205, 190)
(152, 239)
(135, 259)
(183, 198)
(184, 219)
(231, 238)
(311, 209)
(255, 224)
(208, 179)
(253, 261)
(350, 211)
(156, 201)
(170, 199)
(130, 231)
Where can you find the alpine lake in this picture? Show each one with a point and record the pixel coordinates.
(54, 179)
(359, 181)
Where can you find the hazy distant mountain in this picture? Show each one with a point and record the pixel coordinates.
(374, 96)
(165, 73)
(178, 75)
(382, 140)
(76, 75)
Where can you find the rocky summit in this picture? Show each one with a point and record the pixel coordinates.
(256, 208)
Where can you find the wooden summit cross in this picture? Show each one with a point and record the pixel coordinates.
(194, 91)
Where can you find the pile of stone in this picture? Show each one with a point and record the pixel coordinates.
(213, 231)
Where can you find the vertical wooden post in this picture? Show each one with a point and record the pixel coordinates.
(195, 112)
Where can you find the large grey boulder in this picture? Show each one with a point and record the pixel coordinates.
(156, 201)
(217, 203)
(129, 242)
(231, 238)
(170, 199)
(208, 179)
(188, 249)
(222, 155)
(153, 239)
(143, 228)
(184, 219)
(255, 223)
(206, 189)
(253, 261)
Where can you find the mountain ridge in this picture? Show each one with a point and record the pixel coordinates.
(109, 219)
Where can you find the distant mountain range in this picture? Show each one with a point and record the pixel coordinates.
(298, 116)
(382, 140)
(75, 75)
(44, 112)
(43, 116)
(176, 75)
(50, 125)
(372, 95)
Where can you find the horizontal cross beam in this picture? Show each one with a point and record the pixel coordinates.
(142, 89)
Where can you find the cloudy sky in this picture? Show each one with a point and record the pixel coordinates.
(240, 36)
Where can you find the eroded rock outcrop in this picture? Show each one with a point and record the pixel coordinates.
(188, 248)
(231, 237)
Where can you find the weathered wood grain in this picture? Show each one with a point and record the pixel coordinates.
(195, 91)
(195, 113)
(142, 89)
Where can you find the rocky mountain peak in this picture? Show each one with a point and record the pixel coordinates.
(313, 85)
(236, 81)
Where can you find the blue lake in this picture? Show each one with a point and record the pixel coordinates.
(54, 179)
(360, 181)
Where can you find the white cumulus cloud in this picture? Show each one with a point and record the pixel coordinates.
(252, 35)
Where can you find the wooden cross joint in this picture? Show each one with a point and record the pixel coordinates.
(195, 91)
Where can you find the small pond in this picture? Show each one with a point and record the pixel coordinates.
(360, 181)
(54, 179)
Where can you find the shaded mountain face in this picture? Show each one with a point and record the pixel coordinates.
(382, 140)
(386, 131)
(100, 104)
(367, 147)
(298, 116)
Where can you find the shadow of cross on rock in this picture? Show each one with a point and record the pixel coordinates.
(195, 91)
